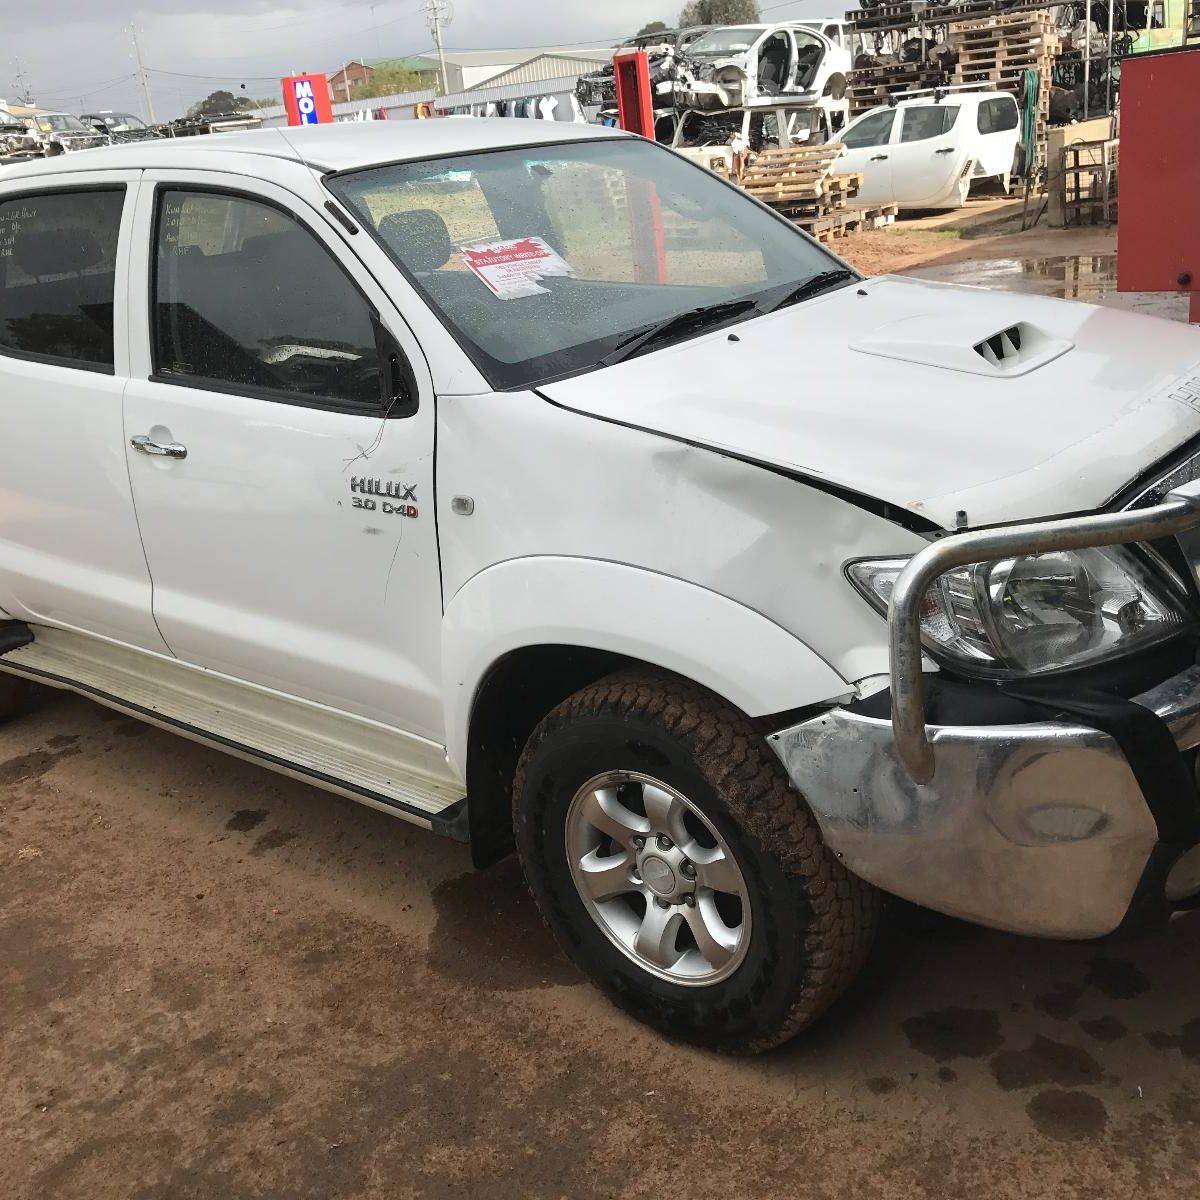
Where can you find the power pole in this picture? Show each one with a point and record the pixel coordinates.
(21, 83)
(439, 14)
(137, 53)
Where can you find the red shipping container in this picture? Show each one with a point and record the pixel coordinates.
(1158, 235)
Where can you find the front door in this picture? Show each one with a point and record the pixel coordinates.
(70, 553)
(928, 154)
(869, 154)
(285, 502)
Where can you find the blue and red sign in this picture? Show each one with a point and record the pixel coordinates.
(306, 98)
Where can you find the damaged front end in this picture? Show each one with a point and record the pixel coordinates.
(1061, 801)
(706, 86)
(16, 142)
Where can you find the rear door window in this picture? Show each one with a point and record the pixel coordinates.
(927, 121)
(58, 253)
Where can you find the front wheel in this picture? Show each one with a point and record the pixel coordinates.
(676, 865)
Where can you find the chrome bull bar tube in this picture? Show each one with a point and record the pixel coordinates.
(1177, 514)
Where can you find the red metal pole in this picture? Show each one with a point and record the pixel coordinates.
(635, 109)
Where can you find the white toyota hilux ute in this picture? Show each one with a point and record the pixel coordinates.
(534, 485)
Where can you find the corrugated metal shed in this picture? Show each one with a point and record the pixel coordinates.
(549, 66)
(504, 59)
(510, 91)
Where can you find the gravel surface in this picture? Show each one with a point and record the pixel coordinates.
(218, 983)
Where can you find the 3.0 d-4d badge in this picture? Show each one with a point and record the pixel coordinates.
(381, 487)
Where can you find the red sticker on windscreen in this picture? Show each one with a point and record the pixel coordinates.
(512, 268)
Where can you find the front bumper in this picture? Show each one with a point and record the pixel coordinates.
(1039, 828)
(1047, 827)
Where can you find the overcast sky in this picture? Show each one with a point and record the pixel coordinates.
(73, 57)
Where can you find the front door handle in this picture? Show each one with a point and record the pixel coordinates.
(146, 446)
(878, 157)
(947, 150)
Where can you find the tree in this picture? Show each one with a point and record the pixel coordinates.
(651, 27)
(388, 81)
(718, 12)
(215, 104)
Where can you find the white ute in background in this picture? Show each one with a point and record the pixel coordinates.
(536, 486)
(926, 151)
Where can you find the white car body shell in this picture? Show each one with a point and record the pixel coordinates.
(931, 172)
(735, 80)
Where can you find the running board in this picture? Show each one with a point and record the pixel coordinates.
(367, 762)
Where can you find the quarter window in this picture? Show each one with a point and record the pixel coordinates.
(58, 254)
(927, 121)
(247, 300)
(870, 131)
(995, 116)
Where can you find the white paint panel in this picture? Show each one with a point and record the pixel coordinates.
(70, 552)
(725, 646)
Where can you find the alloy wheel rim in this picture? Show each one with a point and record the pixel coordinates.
(658, 878)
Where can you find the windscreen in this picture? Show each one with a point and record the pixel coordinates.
(123, 122)
(60, 123)
(734, 39)
(545, 259)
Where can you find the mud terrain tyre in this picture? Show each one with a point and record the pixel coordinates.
(677, 867)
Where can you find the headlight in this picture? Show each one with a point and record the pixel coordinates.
(1023, 616)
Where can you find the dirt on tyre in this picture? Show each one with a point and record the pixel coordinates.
(677, 867)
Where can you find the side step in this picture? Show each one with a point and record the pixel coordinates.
(370, 763)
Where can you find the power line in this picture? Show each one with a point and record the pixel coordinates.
(91, 91)
(217, 78)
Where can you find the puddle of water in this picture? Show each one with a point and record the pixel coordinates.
(1090, 277)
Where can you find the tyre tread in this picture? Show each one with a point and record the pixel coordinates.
(843, 910)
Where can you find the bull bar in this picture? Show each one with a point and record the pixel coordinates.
(1179, 513)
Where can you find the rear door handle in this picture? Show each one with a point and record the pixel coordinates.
(947, 150)
(169, 450)
(878, 157)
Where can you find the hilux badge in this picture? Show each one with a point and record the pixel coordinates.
(368, 489)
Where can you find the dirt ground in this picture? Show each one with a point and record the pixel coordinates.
(217, 983)
(906, 244)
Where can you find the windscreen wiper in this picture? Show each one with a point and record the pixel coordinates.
(823, 281)
(684, 322)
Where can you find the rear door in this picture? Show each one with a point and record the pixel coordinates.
(928, 153)
(70, 553)
(998, 129)
(868, 151)
(286, 508)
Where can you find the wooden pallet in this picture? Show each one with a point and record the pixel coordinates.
(793, 172)
(901, 17)
(864, 87)
(1000, 48)
(829, 226)
(831, 192)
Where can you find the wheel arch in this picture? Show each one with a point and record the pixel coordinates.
(520, 637)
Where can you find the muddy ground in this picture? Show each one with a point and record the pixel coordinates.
(219, 983)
